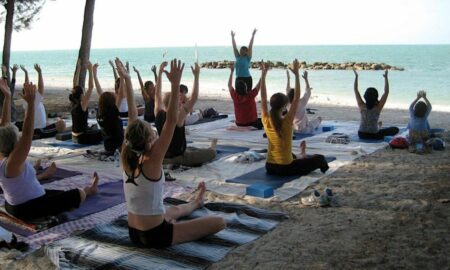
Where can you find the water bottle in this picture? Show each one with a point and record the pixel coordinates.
(117, 158)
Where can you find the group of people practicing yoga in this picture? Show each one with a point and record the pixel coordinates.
(144, 149)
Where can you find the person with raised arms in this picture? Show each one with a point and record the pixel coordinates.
(244, 81)
(81, 132)
(41, 127)
(301, 122)
(279, 129)
(25, 197)
(12, 87)
(108, 116)
(178, 153)
(148, 94)
(150, 224)
(244, 104)
(370, 110)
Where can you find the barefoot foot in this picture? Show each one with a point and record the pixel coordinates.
(199, 198)
(92, 189)
(48, 173)
(303, 149)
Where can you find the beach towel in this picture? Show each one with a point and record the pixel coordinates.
(99, 155)
(259, 176)
(68, 144)
(108, 246)
(226, 150)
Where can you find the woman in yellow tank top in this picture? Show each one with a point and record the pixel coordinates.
(280, 160)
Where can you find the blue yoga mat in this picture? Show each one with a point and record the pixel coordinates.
(259, 176)
(109, 195)
(68, 144)
(225, 150)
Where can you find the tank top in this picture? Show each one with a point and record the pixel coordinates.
(369, 120)
(178, 144)
(144, 196)
(149, 114)
(22, 188)
(112, 129)
(79, 118)
(280, 149)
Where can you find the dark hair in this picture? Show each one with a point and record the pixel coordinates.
(136, 136)
(244, 48)
(277, 102)
(241, 88)
(371, 97)
(184, 89)
(420, 109)
(75, 97)
(291, 94)
(148, 84)
(107, 104)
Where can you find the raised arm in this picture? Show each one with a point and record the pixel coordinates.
(87, 95)
(250, 45)
(14, 71)
(76, 75)
(308, 88)
(264, 108)
(159, 106)
(288, 84)
(411, 107)
(128, 87)
(6, 110)
(27, 79)
(294, 105)
(429, 107)
(189, 105)
(386, 92)
(359, 100)
(174, 76)
(153, 69)
(98, 87)
(40, 79)
(114, 70)
(16, 159)
(233, 41)
(230, 79)
(145, 96)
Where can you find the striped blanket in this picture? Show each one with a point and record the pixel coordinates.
(108, 246)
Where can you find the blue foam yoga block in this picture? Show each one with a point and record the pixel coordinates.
(388, 138)
(259, 190)
(327, 128)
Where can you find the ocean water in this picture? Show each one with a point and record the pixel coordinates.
(427, 67)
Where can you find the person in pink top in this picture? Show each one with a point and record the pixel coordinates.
(244, 104)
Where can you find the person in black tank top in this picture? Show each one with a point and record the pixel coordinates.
(79, 100)
(110, 122)
(178, 153)
(148, 94)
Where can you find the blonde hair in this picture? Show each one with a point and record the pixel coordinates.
(136, 137)
(9, 136)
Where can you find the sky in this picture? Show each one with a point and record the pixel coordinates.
(173, 23)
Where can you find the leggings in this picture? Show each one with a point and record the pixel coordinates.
(193, 157)
(248, 81)
(52, 203)
(301, 166)
(390, 131)
(93, 136)
(40, 133)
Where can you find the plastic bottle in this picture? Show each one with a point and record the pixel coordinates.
(117, 158)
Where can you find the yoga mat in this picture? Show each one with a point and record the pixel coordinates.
(108, 246)
(68, 144)
(225, 150)
(59, 174)
(259, 176)
(108, 195)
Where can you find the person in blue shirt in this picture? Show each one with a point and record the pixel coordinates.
(419, 128)
(243, 82)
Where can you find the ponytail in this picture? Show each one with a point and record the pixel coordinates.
(277, 102)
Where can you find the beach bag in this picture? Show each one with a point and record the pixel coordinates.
(210, 113)
(438, 144)
(399, 143)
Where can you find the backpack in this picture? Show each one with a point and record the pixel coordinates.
(398, 143)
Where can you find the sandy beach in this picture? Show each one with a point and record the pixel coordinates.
(392, 209)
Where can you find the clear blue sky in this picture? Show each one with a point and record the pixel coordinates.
(143, 23)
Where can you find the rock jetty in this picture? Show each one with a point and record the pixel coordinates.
(314, 66)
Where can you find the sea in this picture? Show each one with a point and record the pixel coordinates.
(426, 67)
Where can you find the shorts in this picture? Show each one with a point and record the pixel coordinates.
(52, 203)
(158, 237)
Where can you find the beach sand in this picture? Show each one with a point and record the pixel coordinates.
(392, 210)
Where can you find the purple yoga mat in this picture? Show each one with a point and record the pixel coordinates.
(108, 195)
(59, 174)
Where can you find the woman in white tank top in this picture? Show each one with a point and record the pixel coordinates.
(149, 223)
